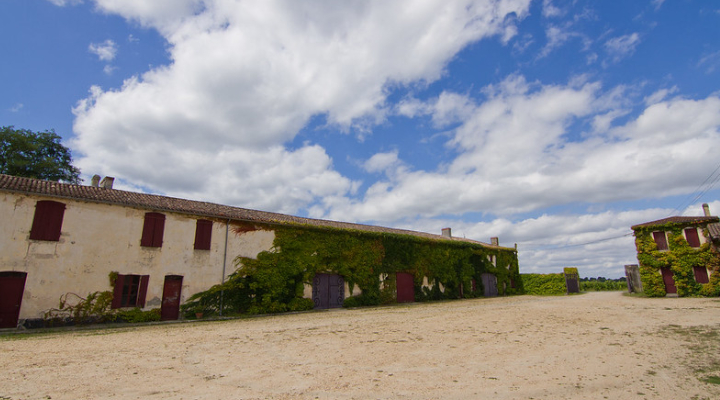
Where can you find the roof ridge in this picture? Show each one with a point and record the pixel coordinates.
(194, 207)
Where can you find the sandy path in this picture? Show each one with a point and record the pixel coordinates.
(592, 346)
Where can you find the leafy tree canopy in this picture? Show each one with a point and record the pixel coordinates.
(37, 155)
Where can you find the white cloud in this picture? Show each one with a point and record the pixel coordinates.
(106, 51)
(549, 10)
(381, 161)
(245, 78)
(62, 3)
(657, 4)
(622, 46)
(516, 154)
(660, 95)
(16, 108)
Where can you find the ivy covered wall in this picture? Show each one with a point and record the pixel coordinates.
(275, 280)
(680, 258)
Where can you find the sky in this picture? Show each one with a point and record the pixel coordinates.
(551, 124)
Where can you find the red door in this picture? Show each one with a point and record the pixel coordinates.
(405, 287)
(170, 309)
(667, 275)
(12, 285)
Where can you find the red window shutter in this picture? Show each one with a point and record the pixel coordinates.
(691, 234)
(142, 291)
(203, 234)
(153, 228)
(47, 222)
(117, 291)
(660, 240)
(701, 275)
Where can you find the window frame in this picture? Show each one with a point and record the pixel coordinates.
(694, 239)
(47, 220)
(203, 234)
(123, 290)
(153, 230)
(665, 245)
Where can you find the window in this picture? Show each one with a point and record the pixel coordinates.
(203, 234)
(701, 275)
(152, 235)
(130, 291)
(660, 240)
(47, 221)
(691, 235)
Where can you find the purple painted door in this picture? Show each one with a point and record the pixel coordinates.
(12, 285)
(328, 291)
(667, 275)
(489, 284)
(170, 308)
(405, 287)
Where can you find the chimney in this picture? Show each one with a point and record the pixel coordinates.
(446, 232)
(495, 241)
(706, 209)
(95, 181)
(107, 182)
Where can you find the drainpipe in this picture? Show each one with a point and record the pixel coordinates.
(227, 231)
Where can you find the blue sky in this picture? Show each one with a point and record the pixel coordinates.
(551, 124)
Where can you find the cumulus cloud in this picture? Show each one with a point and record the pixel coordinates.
(106, 51)
(516, 154)
(622, 46)
(244, 79)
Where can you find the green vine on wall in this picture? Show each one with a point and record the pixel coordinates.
(275, 280)
(680, 258)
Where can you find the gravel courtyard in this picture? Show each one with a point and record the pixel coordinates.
(590, 346)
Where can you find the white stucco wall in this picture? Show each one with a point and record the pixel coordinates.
(97, 239)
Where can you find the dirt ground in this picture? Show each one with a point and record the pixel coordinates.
(590, 346)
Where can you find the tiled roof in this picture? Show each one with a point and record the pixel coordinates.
(714, 230)
(677, 220)
(153, 202)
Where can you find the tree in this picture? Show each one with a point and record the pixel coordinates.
(37, 155)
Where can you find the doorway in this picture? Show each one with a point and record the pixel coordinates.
(12, 286)
(170, 308)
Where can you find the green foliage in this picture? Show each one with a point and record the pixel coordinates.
(544, 284)
(91, 309)
(37, 155)
(599, 286)
(137, 315)
(680, 258)
(275, 280)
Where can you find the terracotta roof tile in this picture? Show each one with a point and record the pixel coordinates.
(714, 230)
(171, 204)
(677, 220)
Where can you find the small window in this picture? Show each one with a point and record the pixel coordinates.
(660, 240)
(152, 235)
(203, 234)
(691, 235)
(130, 291)
(701, 275)
(47, 221)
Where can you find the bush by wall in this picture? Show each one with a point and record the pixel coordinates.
(544, 284)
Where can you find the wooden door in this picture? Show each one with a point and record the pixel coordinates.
(12, 286)
(489, 285)
(328, 291)
(170, 308)
(667, 275)
(405, 287)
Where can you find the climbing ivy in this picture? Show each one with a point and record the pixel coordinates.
(680, 258)
(274, 281)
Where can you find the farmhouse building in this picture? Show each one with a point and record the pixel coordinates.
(154, 251)
(677, 255)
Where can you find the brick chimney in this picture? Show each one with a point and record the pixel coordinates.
(447, 232)
(706, 209)
(495, 241)
(95, 181)
(107, 182)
